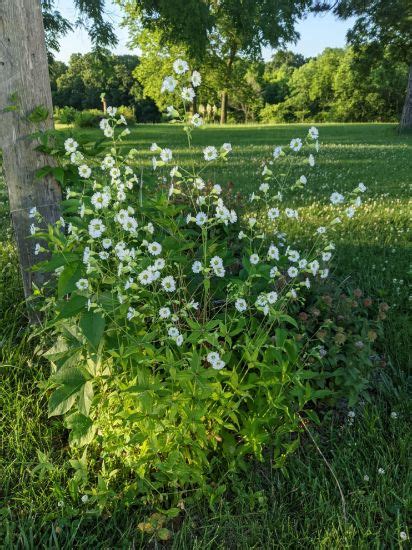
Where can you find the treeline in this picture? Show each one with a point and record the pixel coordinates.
(337, 85)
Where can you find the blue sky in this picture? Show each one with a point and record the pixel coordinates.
(316, 33)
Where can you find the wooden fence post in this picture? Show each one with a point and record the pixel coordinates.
(24, 81)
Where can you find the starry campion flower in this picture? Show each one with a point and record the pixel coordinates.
(296, 144)
(210, 153)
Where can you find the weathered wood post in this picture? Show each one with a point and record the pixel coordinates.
(24, 77)
(406, 118)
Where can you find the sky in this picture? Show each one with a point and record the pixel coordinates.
(316, 33)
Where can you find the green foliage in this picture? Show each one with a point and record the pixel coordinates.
(88, 118)
(65, 115)
(261, 504)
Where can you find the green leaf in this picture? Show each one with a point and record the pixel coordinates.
(38, 114)
(68, 278)
(57, 261)
(62, 399)
(71, 307)
(82, 429)
(86, 397)
(92, 325)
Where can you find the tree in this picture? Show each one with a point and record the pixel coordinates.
(25, 98)
(222, 29)
(381, 26)
(89, 75)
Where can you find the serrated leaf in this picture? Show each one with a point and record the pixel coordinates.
(82, 429)
(92, 325)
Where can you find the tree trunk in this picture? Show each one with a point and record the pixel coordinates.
(406, 119)
(223, 107)
(25, 85)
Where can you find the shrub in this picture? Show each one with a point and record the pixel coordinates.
(176, 344)
(127, 112)
(65, 115)
(278, 113)
(147, 111)
(88, 119)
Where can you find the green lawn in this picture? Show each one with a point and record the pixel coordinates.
(263, 508)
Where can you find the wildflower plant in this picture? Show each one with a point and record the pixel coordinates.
(175, 347)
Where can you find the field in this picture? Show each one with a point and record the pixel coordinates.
(263, 508)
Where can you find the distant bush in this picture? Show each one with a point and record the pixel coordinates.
(127, 112)
(146, 111)
(281, 112)
(88, 119)
(65, 115)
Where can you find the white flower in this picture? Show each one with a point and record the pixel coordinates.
(403, 535)
(196, 79)
(103, 255)
(199, 184)
(201, 219)
(311, 160)
(196, 267)
(362, 187)
(321, 230)
(84, 499)
(108, 132)
(114, 172)
(290, 213)
(381, 471)
(103, 123)
(226, 147)
(274, 272)
(169, 284)
(154, 147)
(188, 94)
(131, 312)
(179, 340)
(365, 478)
(145, 277)
(264, 187)
(33, 229)
(302, 263)
(164, 312)
(273, 213)
(252, 221)
(82, 284)
(154, 248)
(84, 171)
(169, 84)
(32, 212)
(180, 66)
(218, 365)
(350, 212)
(215, 262)
(196, 120)
(159, 264)
(272, 297)
(213, 357)
(314, 267)
(326, 256)
(108, 162)
(296, 144)
(76, 158)
(254, 259)
(100, 200)
(96, 228)
(273, 252)
(241, 305)
(303, 180)
(293, 271)
(293, 255)
(394, 415)
(106, 243)
(336, 198)
(111, 111)
(324, 273)
(210, 153)
(219, 271)
(313, 132)
(173, 332)
(241, 235)
(166, 155)
(70, 145)
(277, 152)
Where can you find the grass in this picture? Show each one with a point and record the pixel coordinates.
(262, 508)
